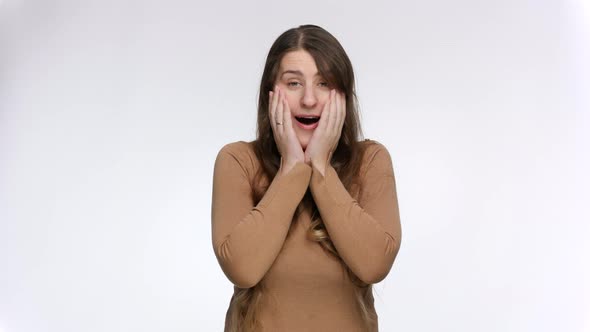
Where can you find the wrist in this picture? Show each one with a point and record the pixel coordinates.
(320, 165)
(287, 165)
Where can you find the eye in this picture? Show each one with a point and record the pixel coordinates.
(292, 83)
(324, 84)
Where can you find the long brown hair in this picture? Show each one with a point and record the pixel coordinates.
(335, 66)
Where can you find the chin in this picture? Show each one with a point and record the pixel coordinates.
(303, 145)
(304, 142)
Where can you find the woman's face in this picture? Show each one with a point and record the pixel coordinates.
(305, 90)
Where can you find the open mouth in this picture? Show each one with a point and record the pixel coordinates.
(307, 120)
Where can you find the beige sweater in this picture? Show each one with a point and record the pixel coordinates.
(305, 287)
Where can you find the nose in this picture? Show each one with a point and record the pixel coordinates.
(309, 98)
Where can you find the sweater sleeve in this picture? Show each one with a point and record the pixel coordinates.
(367, 233)
(247, 238)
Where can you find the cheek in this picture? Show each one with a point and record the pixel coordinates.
(292, 99)
(323, 100)
(322, 104)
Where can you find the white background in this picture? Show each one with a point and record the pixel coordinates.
(112, 113)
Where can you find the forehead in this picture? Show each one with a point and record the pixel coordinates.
(299, 60)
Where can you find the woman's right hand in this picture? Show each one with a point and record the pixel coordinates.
(282, 128)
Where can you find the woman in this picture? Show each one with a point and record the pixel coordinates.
(305, 218)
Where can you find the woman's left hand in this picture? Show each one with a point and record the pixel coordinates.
(325, 138)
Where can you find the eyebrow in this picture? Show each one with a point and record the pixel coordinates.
(296, 72)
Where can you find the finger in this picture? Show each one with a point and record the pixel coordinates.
(324, 116)
(342, 111)
(341, 117)
(333, 112)
(271, 115)
(274, 100)
(287, 123)
(279, 112)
